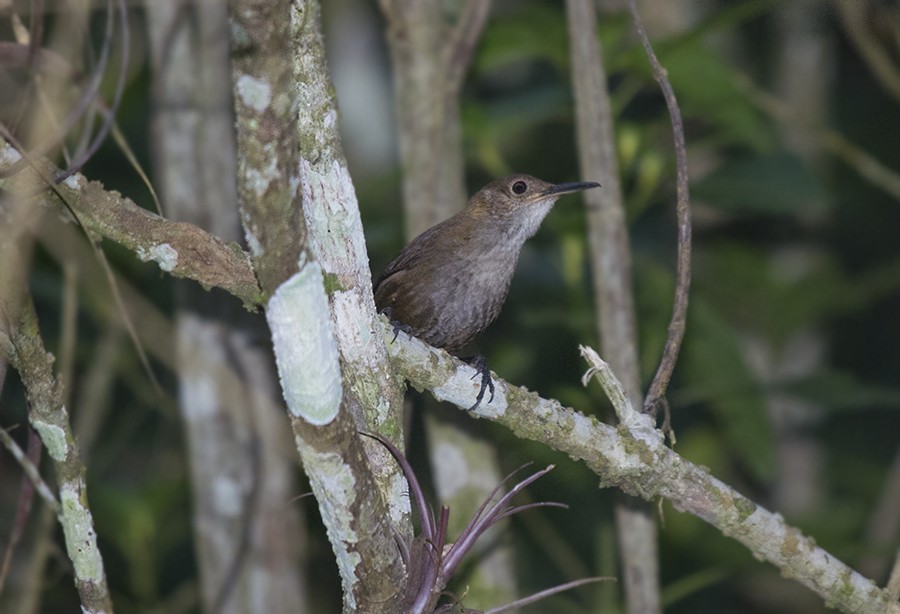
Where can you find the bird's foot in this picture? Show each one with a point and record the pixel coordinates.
(481, 368)
(398, 326)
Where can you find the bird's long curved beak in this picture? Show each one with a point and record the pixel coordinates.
(567, 188)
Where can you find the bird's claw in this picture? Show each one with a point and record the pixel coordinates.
(398, 326)
(481, 368)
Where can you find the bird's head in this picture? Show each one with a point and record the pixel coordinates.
(521, 201)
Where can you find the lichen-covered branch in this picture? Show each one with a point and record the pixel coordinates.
(22, 346)
(431, 49)
(248, 543)
(335, 237)
(637, 461)
(273, 43)
(181, 249)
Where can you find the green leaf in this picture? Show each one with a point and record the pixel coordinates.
(842, 391)
(777, 183)
(718, 375)
(769, 295)
(537, 32)
(706, 89)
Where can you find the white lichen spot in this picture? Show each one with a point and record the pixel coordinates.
(78, 528)
(334, 487)
(305, 350)
(9, 155)
(76, 181)
(254, 93)
(256, 248)
(352, 327)
(582, 429)
(382, 411)
(227, 496)
(332, 215)
(260, 179)
(451, 469)
(330, 119)
(399, 505)
(53, 438)
(163, 254)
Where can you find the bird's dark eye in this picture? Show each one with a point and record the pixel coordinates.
(519, 187)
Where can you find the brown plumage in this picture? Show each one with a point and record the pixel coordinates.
(450, 282)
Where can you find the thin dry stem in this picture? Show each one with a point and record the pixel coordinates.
(657, 392)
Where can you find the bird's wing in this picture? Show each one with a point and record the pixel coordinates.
(410, 255)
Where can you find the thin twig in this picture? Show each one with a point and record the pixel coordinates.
(31, 471)
(88, 97)
(657, 392)
(463, 40)
(886, 72)
(548, 592)
(23, 506)
(864, 163)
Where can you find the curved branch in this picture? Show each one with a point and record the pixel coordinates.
(290, 164)
(182, 249)
(656, 395)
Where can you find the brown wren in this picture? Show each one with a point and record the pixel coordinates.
(450, 282)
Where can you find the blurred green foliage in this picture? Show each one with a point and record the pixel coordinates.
(784, 246)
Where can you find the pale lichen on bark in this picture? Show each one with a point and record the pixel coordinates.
(305, 350)
(334, 230)
(332, 481)
(81, 540)
(53, 437)
(274, 39)
(335, 237)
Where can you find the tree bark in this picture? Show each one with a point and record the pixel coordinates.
(611, 276)
(248, 539)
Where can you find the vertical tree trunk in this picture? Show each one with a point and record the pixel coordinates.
(611, 269)
(247, 537)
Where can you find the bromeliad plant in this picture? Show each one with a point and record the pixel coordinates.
(431, 560)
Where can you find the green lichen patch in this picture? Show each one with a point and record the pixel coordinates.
(81, 540)
(53, 438)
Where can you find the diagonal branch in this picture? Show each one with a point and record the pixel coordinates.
(853, 14)
(31, 471)
(462, 42)
(637, 461)
(184, 250)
